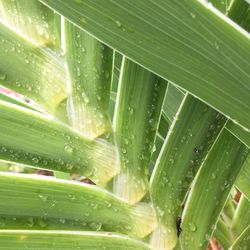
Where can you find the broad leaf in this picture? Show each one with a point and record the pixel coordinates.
(58, 240)
(243, 241)
(37, 202)
(210, 190)
(33, 20)
(31, 70)
(49, 144)
(89, 63)
(138, 107)
(189, 139)
(187, 42)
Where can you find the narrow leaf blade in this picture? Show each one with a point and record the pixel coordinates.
(34, 139)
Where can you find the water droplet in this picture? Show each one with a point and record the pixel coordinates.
(35, 160)
(43, 197)
(193, 15)
(2, 76)
(42, 223)
(107, 75)
(30, 222)
(213, 176)
(62, 221)
(118, 23)
(126, 141)
(85, 98)
(78, 71)
(108, 204)
(68, 149)
(216, 45)
(160, 212)
(95, 226)
(192, 227)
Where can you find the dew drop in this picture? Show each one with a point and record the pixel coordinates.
(2, 76)
(35, 160)
(42, 223)
(62, 221)
(118, 23)
(43, 197)
(126, 141)
(193, 15)
(68, 149)
(192, 227)
(85, 98)
(107, 75)
(96, 226)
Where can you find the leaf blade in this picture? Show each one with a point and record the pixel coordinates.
(57, 147)
(190, 58)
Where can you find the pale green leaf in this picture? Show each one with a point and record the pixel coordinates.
(210, 190)
(242, 216)
(139, 103)
(222, 234)
(31, 70)
(243, 241)
(243, 180)
(58, 240)
(34, 202)
(32, 20)
(36, 140)
(187, 42)
(90, 64)
(189, 139)
(172, 102)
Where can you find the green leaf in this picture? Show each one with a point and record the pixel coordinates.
(164, 125)
(32, 20)
(240, 13)
(210, 190)
(90, 65)
(187, 42)
(243, 180)
(222, 234)
(229, 209)
(239, 132)
(242, 216)
(116, 70)
(138, 107)
(222, 5)
(37, 202)
(31, 70)
(243, 241)
(172, 102)
(58, 240)
(37, 140)
(19, 102)
(189, 139)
